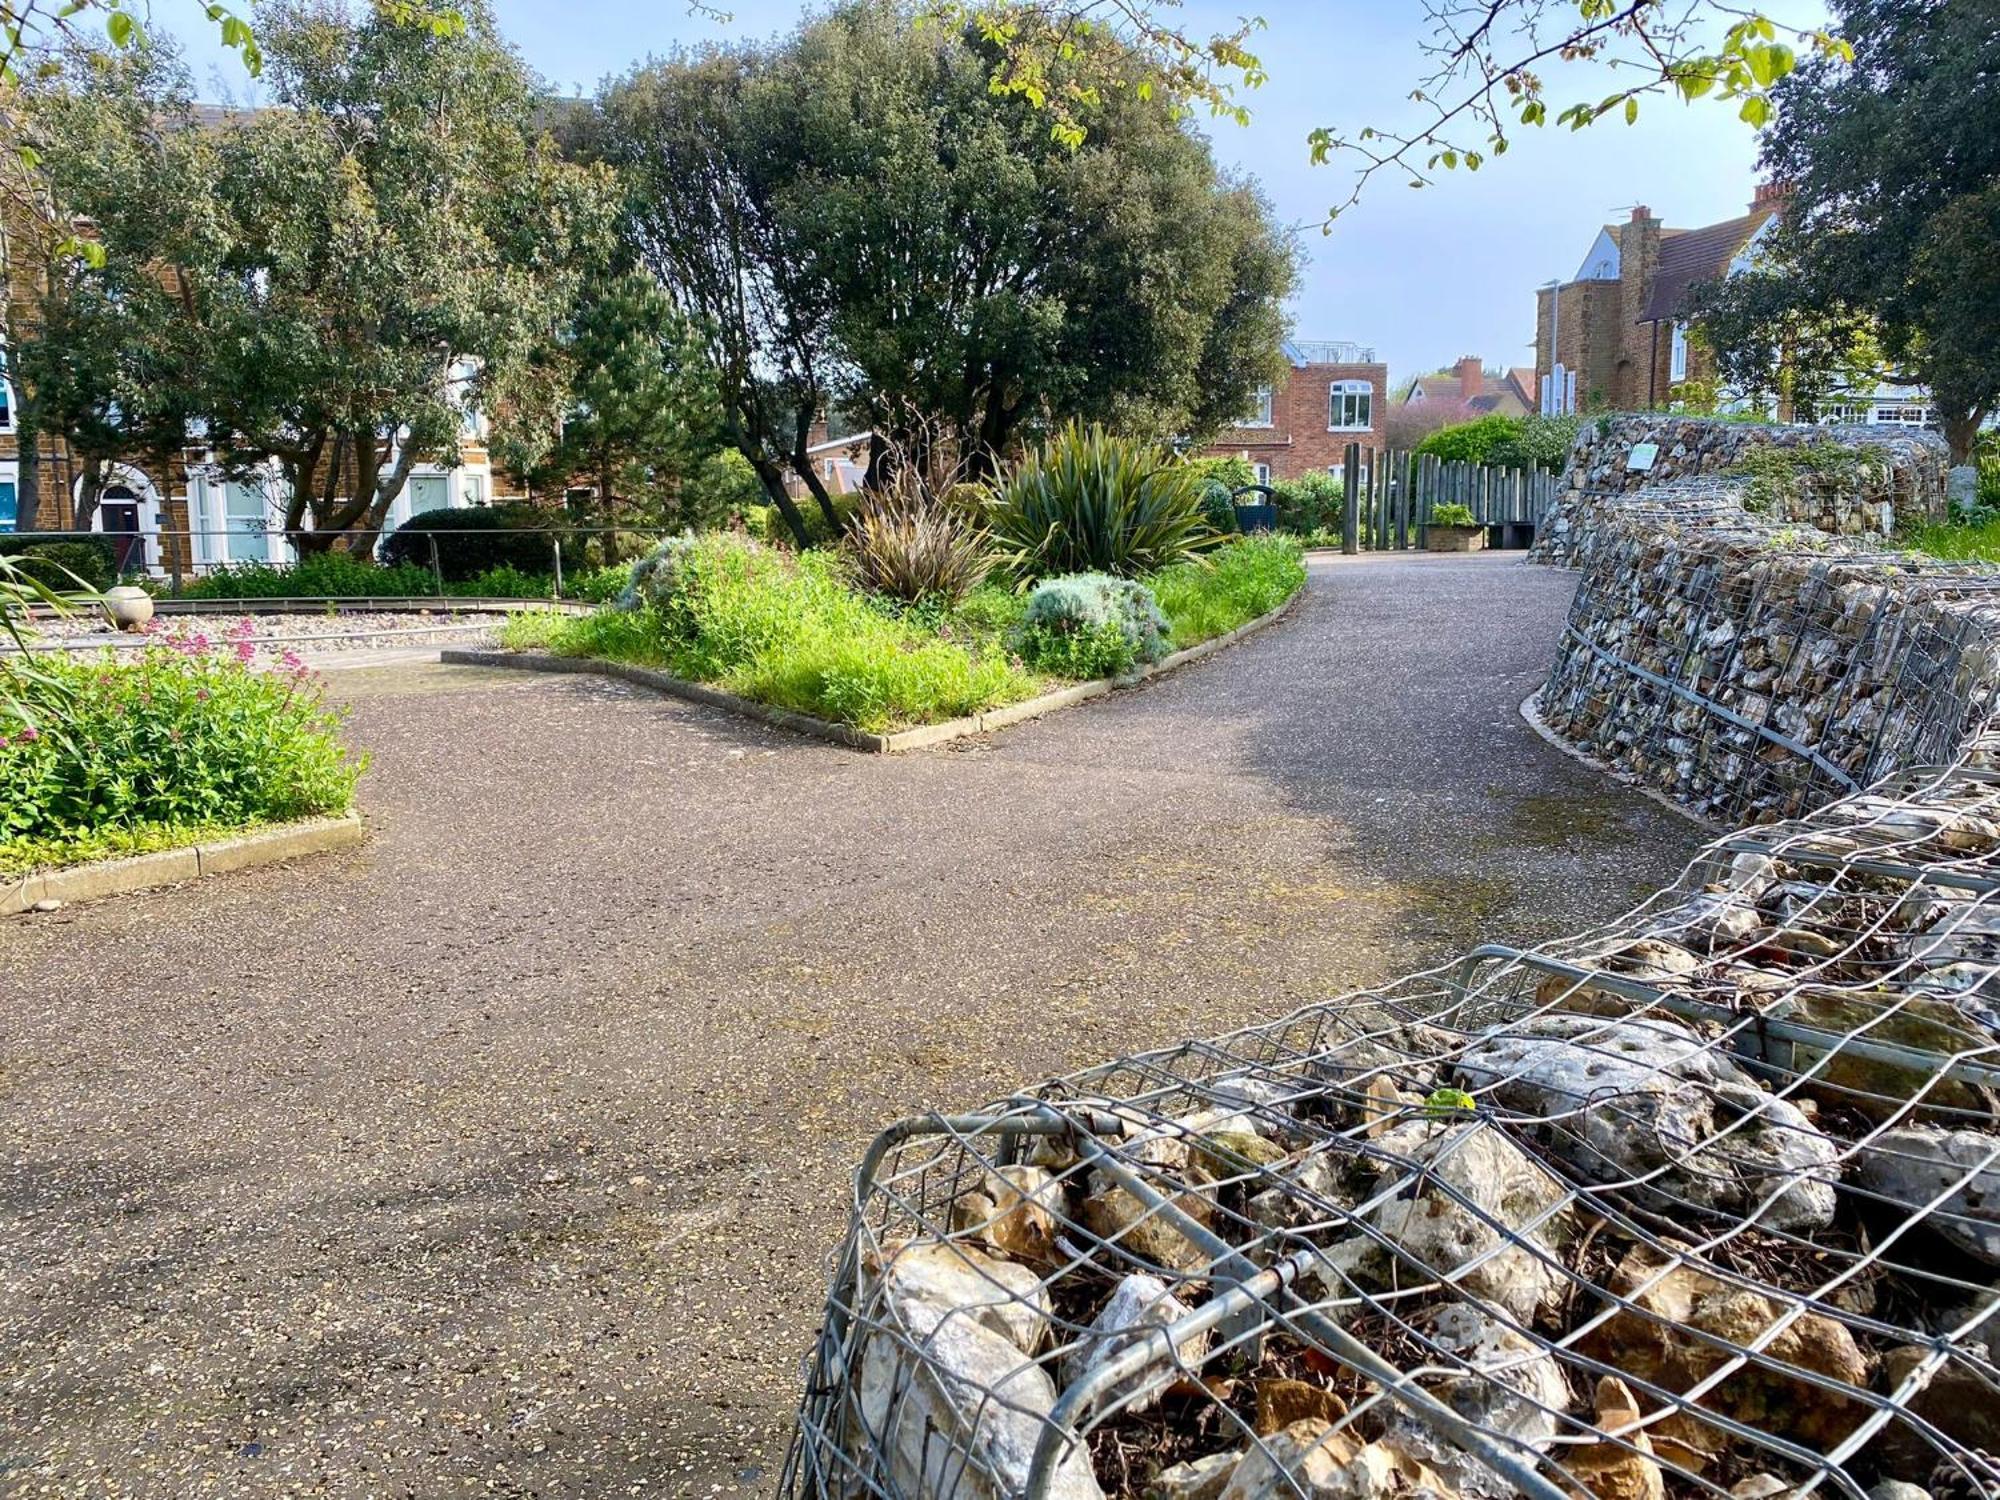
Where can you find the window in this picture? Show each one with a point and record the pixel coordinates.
(1260, 409)
(1677, 355)
(6, 403)
(1262, 471)
(428, 492)
(10, 505)
(473, 488)
(243, 523)
(1350, 406)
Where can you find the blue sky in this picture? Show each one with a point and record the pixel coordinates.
(1424, 276)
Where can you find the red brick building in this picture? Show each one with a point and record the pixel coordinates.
(1614, 325)
(1333, 394)
(1506, 393)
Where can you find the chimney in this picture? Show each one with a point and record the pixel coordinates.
(1770, 196)
(1471, 377)
(1641, 213)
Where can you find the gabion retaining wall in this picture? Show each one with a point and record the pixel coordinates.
(1752, 671)
(1704, 1203)
(1898, 479)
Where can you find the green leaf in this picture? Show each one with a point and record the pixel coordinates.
(1448, 1101)
(120, 27)
(1632, 110)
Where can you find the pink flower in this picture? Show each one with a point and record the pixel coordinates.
(4, 742)
(201, 695)
(29, 734)
(245, 651)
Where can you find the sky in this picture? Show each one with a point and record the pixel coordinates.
(1423, 276)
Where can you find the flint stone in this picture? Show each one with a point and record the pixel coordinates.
(1310, 1459)
(1500, 1183)
(963, 1419)
(1897, 1489)
(1649, 1099)
(1513, 1387)
(1140, 1303)
(1912, 1167)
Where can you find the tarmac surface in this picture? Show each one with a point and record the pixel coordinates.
(504, 1154)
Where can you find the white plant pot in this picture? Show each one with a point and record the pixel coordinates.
(128, 607)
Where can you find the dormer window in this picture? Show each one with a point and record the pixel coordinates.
(1260, 409)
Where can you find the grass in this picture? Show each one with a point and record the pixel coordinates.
(793, 632)
(1229, 588)
(789, 632)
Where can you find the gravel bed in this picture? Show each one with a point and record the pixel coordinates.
(309, 633)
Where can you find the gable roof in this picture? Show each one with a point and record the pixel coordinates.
(1693, 255)
(1526, 386)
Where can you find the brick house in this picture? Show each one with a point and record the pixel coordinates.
(1333, 394)
(1511, 393)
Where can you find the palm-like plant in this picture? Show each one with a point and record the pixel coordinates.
(1089, 501)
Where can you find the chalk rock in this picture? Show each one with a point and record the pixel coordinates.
(1140, 1303)
(1648, 1099)
(1898, 1489)
(1914, 1166)
(1200, 1478)
(1511, 1386)
(1499, 1183)
(1310, 1459)
(962, 1418)
(1016, 1213)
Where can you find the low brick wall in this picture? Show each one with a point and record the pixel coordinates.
(1896, 477)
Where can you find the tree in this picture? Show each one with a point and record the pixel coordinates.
(642, 412)
(373, 257)
(1777, 342)
(867, 226)
(1892, 173)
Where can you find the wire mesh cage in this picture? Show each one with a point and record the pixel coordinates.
(1702, 1202)
(1752, 678)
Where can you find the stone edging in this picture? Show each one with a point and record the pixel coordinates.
(1531, 715)
(116, 877)
(919, 738)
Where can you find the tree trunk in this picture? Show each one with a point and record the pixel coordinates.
(773, 479)
(1961, 431)
(802, 466)
(28, 475)
(89, 490)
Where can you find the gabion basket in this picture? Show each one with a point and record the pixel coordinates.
(1702, 1202)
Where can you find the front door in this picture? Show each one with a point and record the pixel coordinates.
(118, 513)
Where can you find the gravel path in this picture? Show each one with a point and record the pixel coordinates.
(502, 1155)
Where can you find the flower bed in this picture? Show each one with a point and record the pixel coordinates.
(797, 633)
(193, 736)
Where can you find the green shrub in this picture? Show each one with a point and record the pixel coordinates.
(1213, 596)
(1218, 506)
(598, 585)
(908, 546)
(1451, 513)
(504, 582)
(766, 523)
(1091, 625)
(650, 581)
(1312, 502)
(1539, 443)
(65, 565)
(477, 540)
(318, 575)
(1089, 502)
(185, 738)
(1472, 442)
(787, 630)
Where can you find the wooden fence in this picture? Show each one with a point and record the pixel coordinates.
(1390, 496)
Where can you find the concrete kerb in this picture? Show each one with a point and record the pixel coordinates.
(117, 877)
(919, 738)
(1531, 714)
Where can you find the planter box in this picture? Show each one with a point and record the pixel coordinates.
(1454, 538)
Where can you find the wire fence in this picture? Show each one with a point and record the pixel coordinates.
(1702, 1202)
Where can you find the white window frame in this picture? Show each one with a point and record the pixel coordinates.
(7, 402)
(1340, 396)
(1261, 472)
(1677, 353)
(1263, 410)
(10, 473)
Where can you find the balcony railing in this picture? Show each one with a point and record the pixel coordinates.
(1329, 352)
